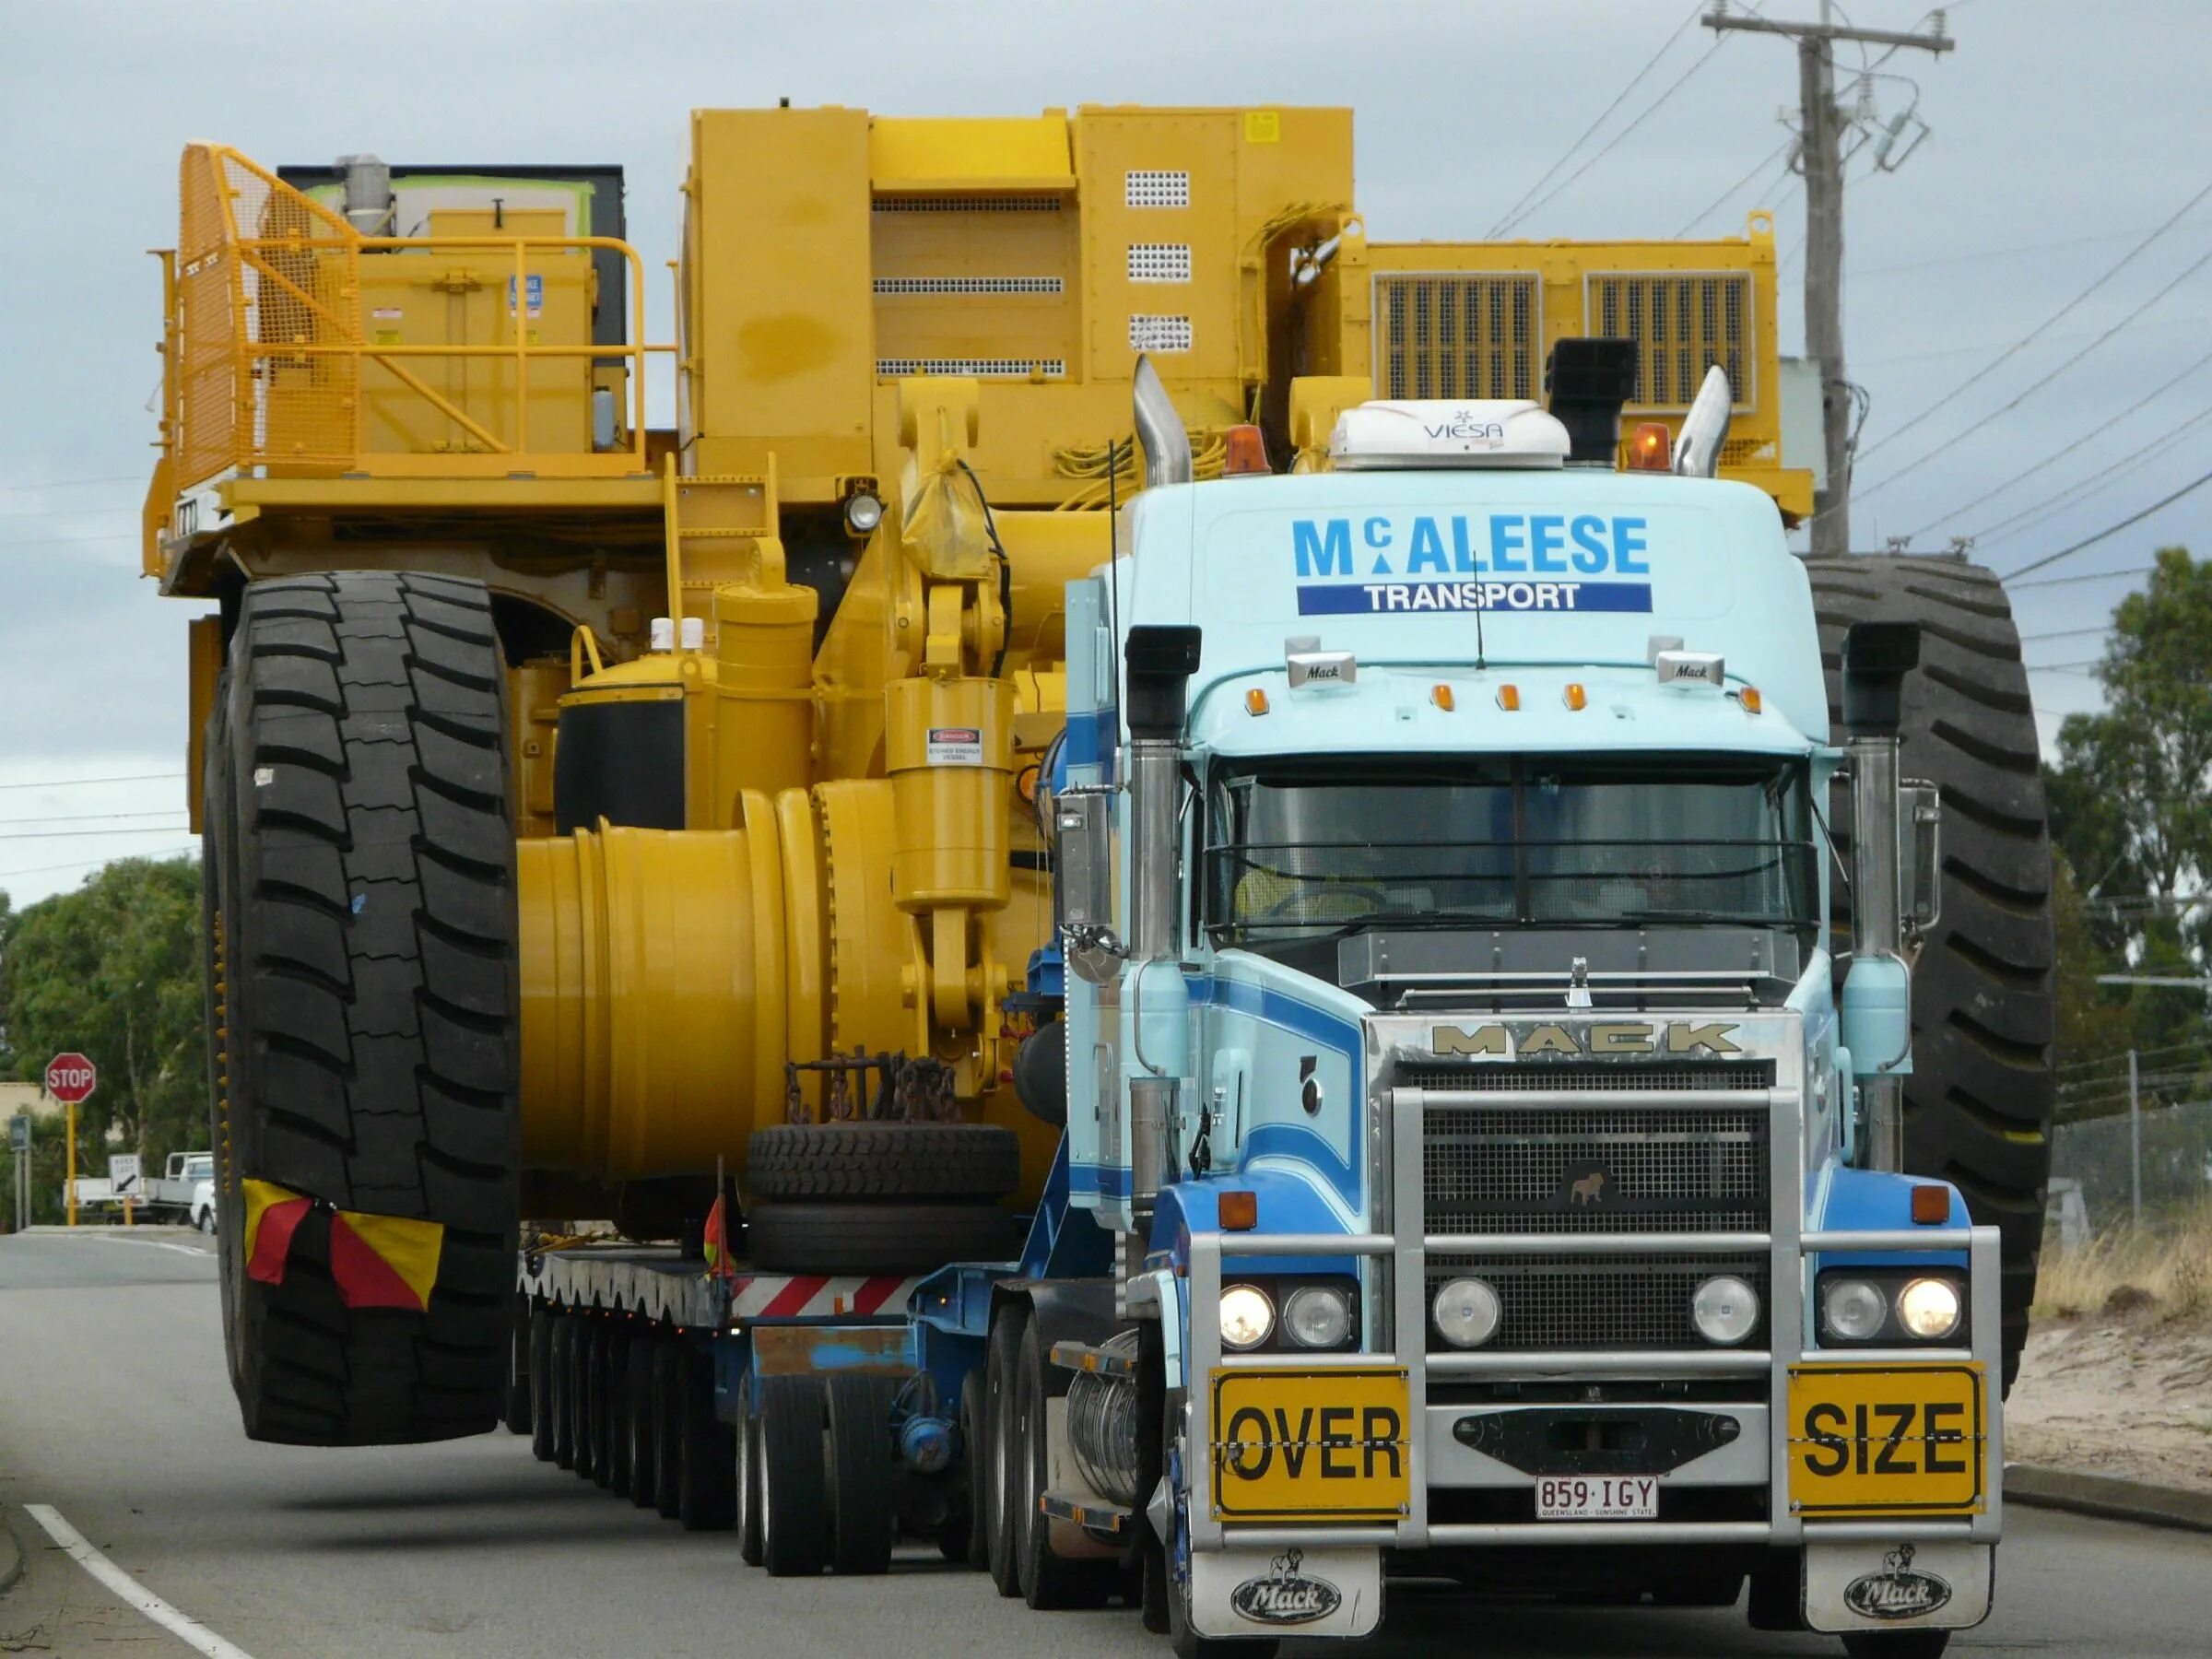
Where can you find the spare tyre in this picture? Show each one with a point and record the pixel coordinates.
(362, 1018)
(1979, 1101)
(884, 1160)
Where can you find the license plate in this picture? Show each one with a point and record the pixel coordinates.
(1311, 1445)
(1597, 1498)
(1886, 1439)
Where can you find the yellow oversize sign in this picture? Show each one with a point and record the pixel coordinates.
(1311, 1445)
(1886, 1439)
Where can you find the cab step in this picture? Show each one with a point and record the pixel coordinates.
(1092, 1514)
(1085, 1357)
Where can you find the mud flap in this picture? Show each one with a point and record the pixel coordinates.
(1942, 1585)
(1288, 1591)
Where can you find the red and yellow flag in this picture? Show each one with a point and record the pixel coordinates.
(720, 1264)
(376, 1261)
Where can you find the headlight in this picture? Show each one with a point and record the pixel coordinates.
(863, 512)
(1246, 1316)
(1466, 1313)
(1318, 1316)
(1854, 1310)
(1724, 1310)
(1928, 1308)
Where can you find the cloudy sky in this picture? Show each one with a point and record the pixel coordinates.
(2063, 135)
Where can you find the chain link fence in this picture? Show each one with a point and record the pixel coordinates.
(2115, 1170)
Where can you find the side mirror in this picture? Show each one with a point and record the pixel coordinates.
(1083, 881)
(1920, 858)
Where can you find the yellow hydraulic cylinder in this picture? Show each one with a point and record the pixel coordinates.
(764, 689)
(949, 746)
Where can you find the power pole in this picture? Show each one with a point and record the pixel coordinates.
(1820, 130)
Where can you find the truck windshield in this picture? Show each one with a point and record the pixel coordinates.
(1299, 850)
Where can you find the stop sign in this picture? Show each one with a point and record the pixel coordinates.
(70, 1079)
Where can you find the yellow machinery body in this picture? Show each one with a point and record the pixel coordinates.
(783, 678)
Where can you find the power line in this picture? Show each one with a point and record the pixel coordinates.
(1718, 202)
(2160, 505)
(84, 864)
(2063, 450)
(2065, 633)
(2050, 506)
(1987, 253)
(2074, 580)
(1603, 115)
(2037, 332)
(97, 817)
(75, 483)
(65, 834)
(2120, 1060)
(87, 783)
(2033, 387)
(69, 513)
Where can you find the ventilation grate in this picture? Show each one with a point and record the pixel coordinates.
(1157, 189)
(1682, 325)
(1160, 262)
(981, 368)
(1159, 333)
(976, 203)
(1457, 336)
(969, 285)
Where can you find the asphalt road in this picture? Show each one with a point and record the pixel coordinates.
(114, 1411)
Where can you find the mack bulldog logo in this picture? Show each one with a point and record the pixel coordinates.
(1286, 1597)
(1587, 1189)
(1607, 1038)
(1898, 1591)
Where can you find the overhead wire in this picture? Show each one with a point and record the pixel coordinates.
(1777, 153)
(2051, 506)
(1603, 115)
(73, 483)
(2109, 531)
(87, 783)
(86, 863)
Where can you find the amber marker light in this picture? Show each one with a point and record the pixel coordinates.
(1649, 448)
(1751, 699)
(1509, 699)
(1576, 697)
(1244, 453)
(1441, 697)
(1931, 1205)
(1025, 785)
(1255, 702)
(1240, 1211)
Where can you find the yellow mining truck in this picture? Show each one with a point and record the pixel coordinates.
(621, 822)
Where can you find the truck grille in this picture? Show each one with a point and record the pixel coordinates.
(1585, 1166)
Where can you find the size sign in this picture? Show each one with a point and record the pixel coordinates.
(125, 1177)
(71, 1078)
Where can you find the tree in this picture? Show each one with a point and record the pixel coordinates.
(114, 969)
(2131, 817)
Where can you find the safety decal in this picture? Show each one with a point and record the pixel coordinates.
(375, 1261)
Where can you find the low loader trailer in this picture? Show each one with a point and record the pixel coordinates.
(1144, 905)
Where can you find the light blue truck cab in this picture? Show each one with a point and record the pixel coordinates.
(1457, 1051)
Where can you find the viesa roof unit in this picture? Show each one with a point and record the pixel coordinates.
(1385, 436)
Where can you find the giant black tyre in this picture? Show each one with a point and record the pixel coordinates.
(859, 1468)
(878, 1237)
(794, 1494)
(885, 1160)
(707, 1453)
(999, 1470)
(637, 1418)
(364, 1025)
(1979, 1102)
(541, 1381)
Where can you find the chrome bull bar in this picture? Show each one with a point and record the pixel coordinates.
(1398, 1337)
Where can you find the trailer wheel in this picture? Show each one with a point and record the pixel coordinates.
(878, 1237)
(613, 1472)
(885, 1160)
(1182, 1640)
(541, 1381)
(584, 1423)
(667, 1427)
(707, 1467)
(748, 1477)
(794, 1508)
(1048, 1583)
(1979, 1101)
(863, 1519)
(363, 1023)
(1002, 1366)
(560, 1381)
(976, 1524)
(637, 1418)
(515, 1410)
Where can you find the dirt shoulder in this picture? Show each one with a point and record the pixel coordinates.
(2123, 1395)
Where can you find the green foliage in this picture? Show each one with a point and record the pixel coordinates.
(113, 970)
(2130, 818)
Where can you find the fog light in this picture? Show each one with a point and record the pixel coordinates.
(1854, 1310)
(1724, 1310)
(863, 512)
(1928, 1308)
(1319, 1316)
(1466, 1313)
(1246, 1316)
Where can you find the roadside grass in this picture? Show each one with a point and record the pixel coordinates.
(2158, 1272)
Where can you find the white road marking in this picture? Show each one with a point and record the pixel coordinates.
(190, 1250)
(129, 1589)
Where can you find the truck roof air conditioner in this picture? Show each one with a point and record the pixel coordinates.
(1407, 434)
